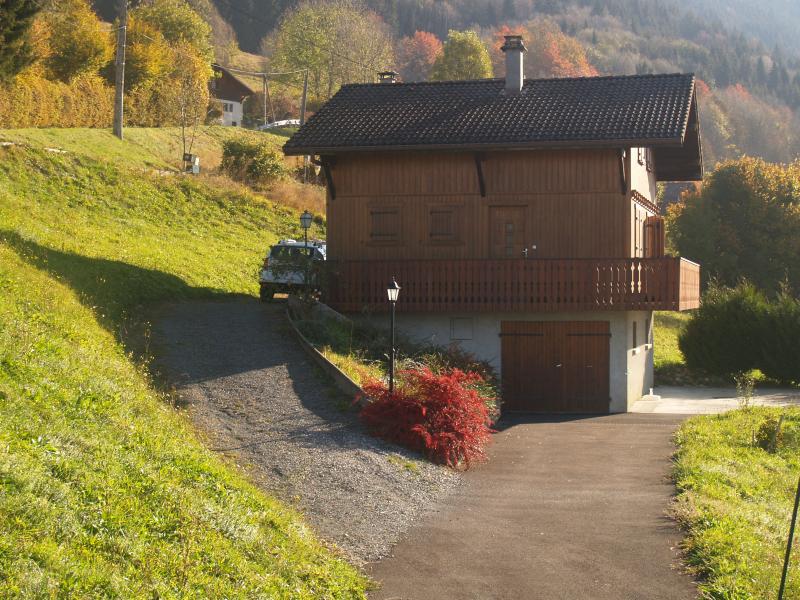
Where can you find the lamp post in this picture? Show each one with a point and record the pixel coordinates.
(392, 291)
(305, 223)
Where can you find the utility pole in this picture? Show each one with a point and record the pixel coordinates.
(306, 159)
(119, 67)
(264, 92)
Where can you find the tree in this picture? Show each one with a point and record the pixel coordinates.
(188, 92)
(148, 54)
(464, 57)
(179, 23)
(743, 223)
(16, 18)
(77, 41)
(417, 54)
(551, 53)
(168, 65)
(338, 41)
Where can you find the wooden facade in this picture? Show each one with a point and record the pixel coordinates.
(516, 230)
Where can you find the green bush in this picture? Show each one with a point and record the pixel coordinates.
(780, 356)
(727, 332)
(252, 162)
(770, 435)
(738, 329)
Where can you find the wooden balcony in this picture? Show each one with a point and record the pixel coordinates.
(516, 285)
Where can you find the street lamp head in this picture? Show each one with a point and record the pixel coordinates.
(305, 219)
(393, 291)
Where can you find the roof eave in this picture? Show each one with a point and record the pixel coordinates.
(564, 144)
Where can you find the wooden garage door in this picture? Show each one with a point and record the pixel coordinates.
(559, 366)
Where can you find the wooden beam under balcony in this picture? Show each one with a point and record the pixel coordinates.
(517, 285)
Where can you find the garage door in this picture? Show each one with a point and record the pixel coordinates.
(558, 366)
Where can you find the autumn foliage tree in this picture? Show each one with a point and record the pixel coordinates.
(464, 57)
(168, 64)
(743, 223)
(417, 54)
(551, 53)
(76, 41)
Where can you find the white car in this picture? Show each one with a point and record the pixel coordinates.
(285, 269)
(284, 123)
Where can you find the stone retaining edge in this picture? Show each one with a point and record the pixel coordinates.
(342, 382)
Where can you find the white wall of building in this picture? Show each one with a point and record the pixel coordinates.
(232, 113)
(643, 180)
(631, 369)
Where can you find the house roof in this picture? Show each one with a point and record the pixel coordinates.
(227, 86)
(659, 111)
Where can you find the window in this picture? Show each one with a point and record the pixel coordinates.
(635, 337)
(640, 155)
(384, 224)
(443, 225)
(647, 333)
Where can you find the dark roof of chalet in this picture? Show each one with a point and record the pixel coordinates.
(228, 86)
(658, 111)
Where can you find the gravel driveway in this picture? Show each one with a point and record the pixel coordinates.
(250, 387)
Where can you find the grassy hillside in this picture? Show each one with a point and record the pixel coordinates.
(104, 488)
(736, 501)
(157, 148)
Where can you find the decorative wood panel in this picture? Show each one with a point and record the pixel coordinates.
(517, 284)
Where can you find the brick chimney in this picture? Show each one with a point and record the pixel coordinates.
(513, 49)
(388, 76)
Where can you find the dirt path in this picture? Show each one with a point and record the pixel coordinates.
(250, 387)
(564, 509)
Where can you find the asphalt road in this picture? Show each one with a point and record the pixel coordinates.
(564, 509)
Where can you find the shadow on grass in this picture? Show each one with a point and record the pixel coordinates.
(113, 289)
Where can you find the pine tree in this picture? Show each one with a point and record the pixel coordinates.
(16, 17)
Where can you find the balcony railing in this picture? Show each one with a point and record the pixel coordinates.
(517, 285)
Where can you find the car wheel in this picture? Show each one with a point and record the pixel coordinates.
(267, 293)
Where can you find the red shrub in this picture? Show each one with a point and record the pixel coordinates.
(442, 415)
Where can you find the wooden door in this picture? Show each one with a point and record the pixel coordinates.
(555, 366)
(507, 231)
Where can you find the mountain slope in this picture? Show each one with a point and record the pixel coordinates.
(105, 489)
(772, 21)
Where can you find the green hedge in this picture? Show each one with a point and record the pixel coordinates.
(252, 161)
(740, 329)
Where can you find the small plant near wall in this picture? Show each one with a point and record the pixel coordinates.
(441, 415)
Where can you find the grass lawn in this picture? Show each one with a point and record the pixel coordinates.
(670, 368)
(736, 501)
(105, 490)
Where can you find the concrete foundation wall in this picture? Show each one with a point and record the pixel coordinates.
(631, 369)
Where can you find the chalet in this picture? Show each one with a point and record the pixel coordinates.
(520, 218)
(231, 93)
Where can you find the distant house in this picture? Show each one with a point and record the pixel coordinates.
(520, 218)
(231, 92)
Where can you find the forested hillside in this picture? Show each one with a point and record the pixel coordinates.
(749, 89)
(773, 21)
